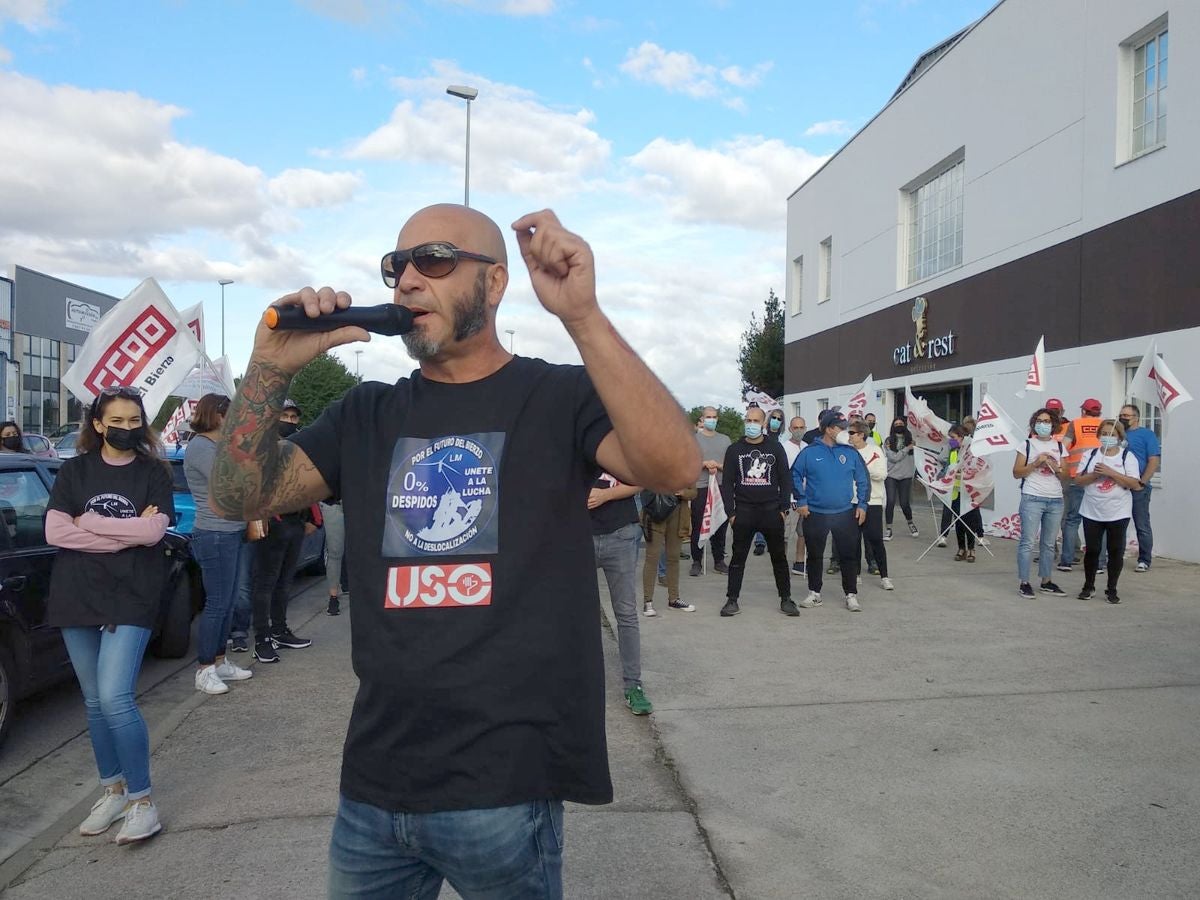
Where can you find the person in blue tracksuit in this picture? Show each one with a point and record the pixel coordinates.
(824, 478)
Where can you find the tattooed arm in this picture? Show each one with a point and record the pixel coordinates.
(255, 474)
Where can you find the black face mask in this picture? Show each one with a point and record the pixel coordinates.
(1123, 420)
(287, 429)
(123, 438)
(899, 429)
(12, 443)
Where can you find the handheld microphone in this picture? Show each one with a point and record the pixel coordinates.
(386, 318)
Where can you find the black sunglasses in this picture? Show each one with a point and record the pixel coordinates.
(437, 259)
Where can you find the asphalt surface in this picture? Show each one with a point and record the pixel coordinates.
(952, 740)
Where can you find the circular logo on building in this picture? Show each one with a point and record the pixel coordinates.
(442, 495)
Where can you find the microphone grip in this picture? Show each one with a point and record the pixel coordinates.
(387, 318)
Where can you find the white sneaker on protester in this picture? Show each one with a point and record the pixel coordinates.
(209, 682)
(648, 610)
(105, 811)
(886, 584)
(141, 822)
(941, 542)
(852, 603)
(228, 671)
(813, 599)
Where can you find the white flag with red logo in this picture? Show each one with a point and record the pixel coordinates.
(209, 377)
(141, 342)
(995, 431)
(860, 397)
(193, 318)
(765, 402)
(1157, 384)
(1035, 379)
(714, 512)
(976, 477)
(178, 420)
(928, 428)
(938, 480)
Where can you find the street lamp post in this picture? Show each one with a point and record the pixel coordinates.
(510, 332)
(358, 365)
(222, 283)
(468, 94)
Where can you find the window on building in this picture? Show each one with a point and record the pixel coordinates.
(1146, 58)
(1149, 415)
(825, 288)
(934, 221)
(795, 408)
(797, 294)
(823, 403)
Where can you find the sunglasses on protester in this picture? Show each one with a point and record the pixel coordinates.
(436, 259)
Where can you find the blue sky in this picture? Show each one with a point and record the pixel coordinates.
(284, 143)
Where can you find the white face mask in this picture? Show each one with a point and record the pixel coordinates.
(843, 437)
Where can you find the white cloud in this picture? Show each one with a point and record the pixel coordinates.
(518, 144)
(510, 7)
(354, 12)
(833, 127)
(682, 73)
(308, 188)
(30, 14)
(742, 182)
(358, 74)
(5, 56)
(98, 183)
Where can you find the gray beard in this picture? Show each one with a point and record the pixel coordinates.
(470, 318)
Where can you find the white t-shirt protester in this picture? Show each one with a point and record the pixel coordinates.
(1043, 481)
(1104, 500)
(792, 449)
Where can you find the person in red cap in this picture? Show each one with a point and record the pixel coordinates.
(1082, 436)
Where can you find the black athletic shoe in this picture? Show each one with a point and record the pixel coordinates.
(335, 607)
(1111, 596)
(760, 549)
(1050, 587)
(1025, 590)
(787, 606)
(264, 651)
(730, 608)
(239, 645)
(287, 639)
(872, 569)
(696, 569)
(720, 568)
(1087, 593)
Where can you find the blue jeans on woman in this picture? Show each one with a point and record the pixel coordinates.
(509, 853)
(106, 664)
(1044, 513)
(219, 554)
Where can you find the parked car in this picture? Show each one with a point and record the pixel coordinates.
(39, 446)
(69, 428)
(67, 445)
(32, 654)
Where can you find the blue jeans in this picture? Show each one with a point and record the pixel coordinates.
(243, 611)
(1141, 524)
(219, 554)
(107, 665)
(1044, 514)
(617, 554)
(486, 854)
(1072, 496)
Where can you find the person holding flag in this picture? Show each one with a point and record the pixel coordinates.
(712, 445)
(1039, 465)
(1109, 476)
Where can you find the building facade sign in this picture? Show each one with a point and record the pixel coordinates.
(922, 347)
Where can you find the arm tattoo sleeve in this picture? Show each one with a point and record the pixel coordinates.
(256, 474)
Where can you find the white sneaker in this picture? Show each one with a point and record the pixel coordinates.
(104, 812)
(648, 610)
(813, 599)
(941, 542)
(887, 535)
(852, 603)
(1142, 567)
(228, 671)
(141, 822)
(208, 681)
(886, 584)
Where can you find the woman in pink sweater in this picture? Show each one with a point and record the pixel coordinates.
(108, 511)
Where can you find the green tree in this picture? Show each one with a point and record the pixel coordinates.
(730, 421)
(318, 384)
(760, 360)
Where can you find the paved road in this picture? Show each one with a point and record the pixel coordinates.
(951, 741)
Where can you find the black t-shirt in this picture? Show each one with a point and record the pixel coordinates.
(615, 513)
(476, 616)
(756, 474)
(121, 588)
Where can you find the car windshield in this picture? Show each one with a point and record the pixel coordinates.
(67, 441)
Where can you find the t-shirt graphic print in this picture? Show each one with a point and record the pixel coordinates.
(755, 469)
(111, 506)
(443, 495)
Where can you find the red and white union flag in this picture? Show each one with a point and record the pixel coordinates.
(141, 342)
(1036, 379)
(1157, 384)
(714, 512)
